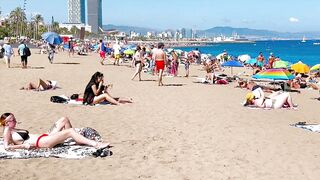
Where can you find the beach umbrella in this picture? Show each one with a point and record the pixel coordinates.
(244, 58)
(315, 68)
(129, 52)
(232, 63)
(251, 61)
(280, 64)
(300, 67)
(274, 74)
(52, 38)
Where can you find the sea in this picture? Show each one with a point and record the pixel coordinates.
(290, 50)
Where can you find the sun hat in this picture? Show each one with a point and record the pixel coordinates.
(249, 97)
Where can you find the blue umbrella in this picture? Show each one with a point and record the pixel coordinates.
(52, 38)
(232, 63)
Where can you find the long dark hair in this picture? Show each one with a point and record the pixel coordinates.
(95, 77)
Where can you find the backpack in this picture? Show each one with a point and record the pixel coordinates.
(26, 51)
(58, 99)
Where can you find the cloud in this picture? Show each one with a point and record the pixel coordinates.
(293, 20)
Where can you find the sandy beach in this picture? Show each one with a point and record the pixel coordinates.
(181, 131)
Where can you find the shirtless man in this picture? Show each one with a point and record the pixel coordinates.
(160, 59)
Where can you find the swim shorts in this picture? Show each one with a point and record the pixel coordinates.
(160, 65)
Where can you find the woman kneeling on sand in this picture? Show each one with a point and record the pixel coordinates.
(276, 100)
(42, 85)
(96, 92)
(21, 139)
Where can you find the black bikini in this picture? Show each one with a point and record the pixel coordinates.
(24, 134)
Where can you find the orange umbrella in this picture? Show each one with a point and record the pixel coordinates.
(300, 67)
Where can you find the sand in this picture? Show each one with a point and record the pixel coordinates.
(183, 131)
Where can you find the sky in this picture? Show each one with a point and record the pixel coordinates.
(278, 15)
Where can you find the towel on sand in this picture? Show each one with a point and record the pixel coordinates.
(310, 127)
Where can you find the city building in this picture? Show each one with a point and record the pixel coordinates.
(94, 14)
(183, 32)
(76, 11)
(78, 25)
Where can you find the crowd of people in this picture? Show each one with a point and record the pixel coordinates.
(155, 59)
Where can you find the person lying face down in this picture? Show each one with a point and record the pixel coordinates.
(276, 100)
(61, 130)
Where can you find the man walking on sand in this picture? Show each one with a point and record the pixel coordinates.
(21, 52)
(102, 51)
(160, 59)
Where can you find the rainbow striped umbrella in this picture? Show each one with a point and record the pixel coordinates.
(315, 68)
(274, 74)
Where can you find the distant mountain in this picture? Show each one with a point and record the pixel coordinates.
(127, 29)
(226, 31)
(256, 33)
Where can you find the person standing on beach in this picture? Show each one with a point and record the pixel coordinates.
(102, 51)
(116, 49)
(21, 52)
(271, 60)
(160, 58)
(139, 61)
(51, 50)
(71, 48)
(8, 52)
(260, 60)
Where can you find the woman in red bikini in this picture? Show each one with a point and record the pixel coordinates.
(21, 139)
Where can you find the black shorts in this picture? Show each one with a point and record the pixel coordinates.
(24, 59)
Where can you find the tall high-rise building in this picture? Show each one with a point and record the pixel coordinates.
(76, 11)
(94, 10)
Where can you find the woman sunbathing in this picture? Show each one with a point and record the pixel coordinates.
(96, 92)
(21, 139)
(276, 100)
(42, 85)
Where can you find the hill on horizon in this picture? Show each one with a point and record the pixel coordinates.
(226, 31)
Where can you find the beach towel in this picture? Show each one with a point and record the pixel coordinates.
(310, 127)
(63, 99)
(67, 150)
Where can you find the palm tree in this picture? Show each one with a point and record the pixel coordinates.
(55, 26)
(18, 20)
(37, 19)
(74, 31)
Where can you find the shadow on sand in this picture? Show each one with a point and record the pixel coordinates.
(69, 63)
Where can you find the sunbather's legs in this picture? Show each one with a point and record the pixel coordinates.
(59, 137)
(283, 99)
(62, 123)
(105, 97)
(42, 84)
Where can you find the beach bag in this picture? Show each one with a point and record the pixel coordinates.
(58, 99)
(26, 51)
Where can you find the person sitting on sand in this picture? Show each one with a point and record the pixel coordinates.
(42, 85)
(276, 100)
(21, 139)
(96, 92)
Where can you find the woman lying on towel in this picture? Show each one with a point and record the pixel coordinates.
(276, 100)
(61, 130)
(42, 85)
(96, 92)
